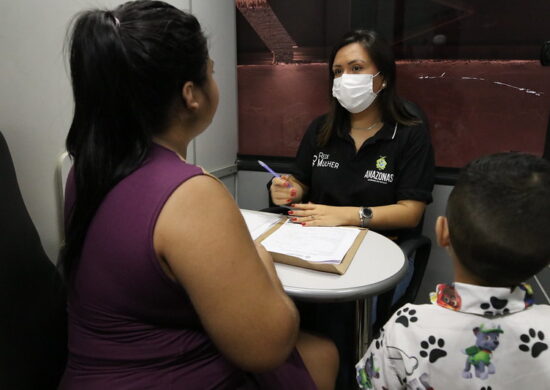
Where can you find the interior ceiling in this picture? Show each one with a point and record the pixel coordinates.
(472, 28)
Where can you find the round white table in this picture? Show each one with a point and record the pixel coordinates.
(376, 267)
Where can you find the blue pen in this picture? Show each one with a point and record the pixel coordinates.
(267, 168)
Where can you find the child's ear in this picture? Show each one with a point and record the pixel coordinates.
(442, 232)
(189, 95)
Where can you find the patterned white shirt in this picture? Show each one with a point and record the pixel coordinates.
(470, 337)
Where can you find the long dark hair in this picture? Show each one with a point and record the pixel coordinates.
(128, 67)
(393, 110)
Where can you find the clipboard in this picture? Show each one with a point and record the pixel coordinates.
(339, 269)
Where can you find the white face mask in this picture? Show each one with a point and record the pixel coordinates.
(354, 91)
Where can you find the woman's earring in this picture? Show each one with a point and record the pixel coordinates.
(384, 84)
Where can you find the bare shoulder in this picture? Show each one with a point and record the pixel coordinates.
(200, 206)
(202, 195)
(197, 187)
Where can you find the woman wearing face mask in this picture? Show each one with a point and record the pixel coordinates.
(368, 162)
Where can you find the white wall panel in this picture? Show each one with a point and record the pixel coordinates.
(35, 98)
(217, 147)
(36, 103)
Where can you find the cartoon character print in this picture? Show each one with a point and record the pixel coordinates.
(447, 297)
(529, 300)
(368, 371)
(479, 355)
(420, 383)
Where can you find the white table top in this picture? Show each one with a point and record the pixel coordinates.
(377, 266)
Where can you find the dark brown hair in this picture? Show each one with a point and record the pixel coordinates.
(499, 218)
(393, 110)
(128, 66)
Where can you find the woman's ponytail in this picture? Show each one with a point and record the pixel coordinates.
(127, 68)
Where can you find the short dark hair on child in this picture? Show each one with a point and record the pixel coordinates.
(499, 217)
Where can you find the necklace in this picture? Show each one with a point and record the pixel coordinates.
(367, 128)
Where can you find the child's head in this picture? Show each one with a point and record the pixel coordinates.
(499, 218)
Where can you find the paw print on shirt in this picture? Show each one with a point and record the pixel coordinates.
(406, 316)
(431, 348)
(533, 342)
(379, 338)
(486, 388)
(495, 307)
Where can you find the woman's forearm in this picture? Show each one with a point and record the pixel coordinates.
(405, 214)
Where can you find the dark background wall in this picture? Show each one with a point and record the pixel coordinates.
(472, 66)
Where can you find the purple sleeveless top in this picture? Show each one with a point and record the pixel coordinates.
(131, 326)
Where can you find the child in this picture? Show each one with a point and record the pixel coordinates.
(483, 331)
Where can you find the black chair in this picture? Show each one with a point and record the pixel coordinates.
(416, 245)
(33, 321)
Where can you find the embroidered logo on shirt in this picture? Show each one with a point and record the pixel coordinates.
(379, 177)
(322, 160)
(381, 163)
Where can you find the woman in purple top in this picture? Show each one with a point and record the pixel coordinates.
(166, 288)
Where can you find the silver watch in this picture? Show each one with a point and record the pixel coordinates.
(365, 215)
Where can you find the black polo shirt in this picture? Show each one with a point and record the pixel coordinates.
(397, 163)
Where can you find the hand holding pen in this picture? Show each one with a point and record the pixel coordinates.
(282, 190)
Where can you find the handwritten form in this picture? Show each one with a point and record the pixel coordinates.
(259, 223)
(315, 244)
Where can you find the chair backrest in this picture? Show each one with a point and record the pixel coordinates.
(415, 245)
(62, 169)
(33, 324)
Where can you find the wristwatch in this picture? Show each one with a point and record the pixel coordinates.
(365, 215)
